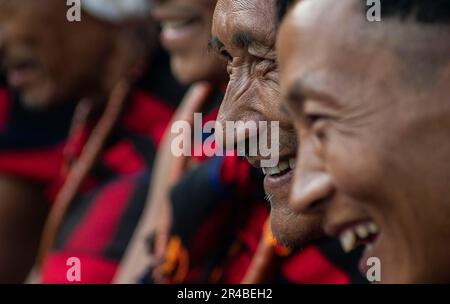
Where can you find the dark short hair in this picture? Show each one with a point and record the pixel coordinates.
(281, 9)
(423, 11)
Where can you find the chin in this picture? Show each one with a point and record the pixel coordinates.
(296, 231)
(35, 101)
(183, 71)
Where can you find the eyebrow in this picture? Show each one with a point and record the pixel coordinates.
(240, 40)
(244, 40)
(215, 43)
(300, 91)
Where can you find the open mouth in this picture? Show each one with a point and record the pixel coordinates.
(363, 234)
(283, 167)
(278, 178)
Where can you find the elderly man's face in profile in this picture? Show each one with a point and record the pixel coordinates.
(371, 106)
(243, 33)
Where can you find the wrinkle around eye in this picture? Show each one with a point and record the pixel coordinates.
(240, 83)
(265, 66)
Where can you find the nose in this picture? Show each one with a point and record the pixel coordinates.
(235, 123)
(312, 186)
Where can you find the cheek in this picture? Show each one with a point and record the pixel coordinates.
(356, 167)
(268, 101)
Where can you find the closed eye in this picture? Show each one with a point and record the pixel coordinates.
(225, 55)
(313, 119)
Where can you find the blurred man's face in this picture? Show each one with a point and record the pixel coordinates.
(244, 35)
(48, 59)
(186, 28)
(371, 106)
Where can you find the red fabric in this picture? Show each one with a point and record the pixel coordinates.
(145, 115)
(93, 270)
(40, 165)
(107, 193)
(114, 159)
(95, 230)
(4, 108)
(249, 237)
(310, 266)
(204, 241)
(236, 170)
(148, 115)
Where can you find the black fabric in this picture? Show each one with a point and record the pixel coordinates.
(281, 9)
(348, 262)
(144, 147)
(193, 199)
(129, 219)
(28, 128)
(2, 79)
(423, 11)
(159, 80)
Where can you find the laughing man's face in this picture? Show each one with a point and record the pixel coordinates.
(243, 33)
(371, 106)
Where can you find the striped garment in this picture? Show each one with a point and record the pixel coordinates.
(102, 219)
(30, 141)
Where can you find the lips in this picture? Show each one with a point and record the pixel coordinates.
(173, 25)
(278, 178)
(20, 73)
(179, 29)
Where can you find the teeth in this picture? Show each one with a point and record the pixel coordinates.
(355, 236)
(362, 231)
(292, 163)
(282, 166)
(348, 240)
(273, 171)
(373, 228)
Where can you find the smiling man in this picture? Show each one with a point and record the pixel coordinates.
(244, 34)
(370, 103)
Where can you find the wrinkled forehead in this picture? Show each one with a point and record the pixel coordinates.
(245, 16)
